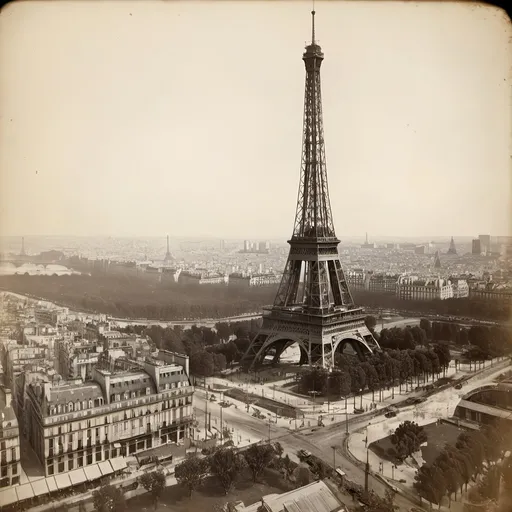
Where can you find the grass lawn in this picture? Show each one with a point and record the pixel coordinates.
(176, 498)
(437, 437)
(264, 402)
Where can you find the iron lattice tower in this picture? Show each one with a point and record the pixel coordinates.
(313, 306)
(452, 249)
(168, 255)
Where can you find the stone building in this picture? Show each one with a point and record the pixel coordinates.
(75, 424)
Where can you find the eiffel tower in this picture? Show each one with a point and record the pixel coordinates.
(452, 249)
(313, 306)
(169, 258)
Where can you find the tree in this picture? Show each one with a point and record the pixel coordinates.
(443, 354)
(407, 438)
(372, 378)
(430, 484)
(258, 457)
(427, 327)
(108, 499)
(278, 449)
(288, 466)
(226, 464)
(154, 483)
(191, 472)
(371, 322)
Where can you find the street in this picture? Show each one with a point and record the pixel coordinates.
(319, 442)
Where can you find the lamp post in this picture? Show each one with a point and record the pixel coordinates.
(346, 421)
(334, 457)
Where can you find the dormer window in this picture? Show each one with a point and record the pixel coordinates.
(70, 407)
(58, 409)
(148, 391)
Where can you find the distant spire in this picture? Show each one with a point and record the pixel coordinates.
(367, 238)
(437, 260)
(168, 244)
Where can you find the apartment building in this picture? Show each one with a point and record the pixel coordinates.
(412, 288)
(117, 413)
(75, 359)
(10, 468)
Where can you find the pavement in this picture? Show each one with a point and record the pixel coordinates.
(330, 442)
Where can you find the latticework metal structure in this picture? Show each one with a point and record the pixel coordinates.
(313, 306)
(452, 249)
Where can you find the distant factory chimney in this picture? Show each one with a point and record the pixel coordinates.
(22, 253)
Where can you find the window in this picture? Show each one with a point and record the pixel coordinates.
(14, 470)
(50, 469)
(80, 461)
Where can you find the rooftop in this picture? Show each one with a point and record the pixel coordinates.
(315, 497)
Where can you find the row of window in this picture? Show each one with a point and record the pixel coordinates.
(76, 406)
(165, 405)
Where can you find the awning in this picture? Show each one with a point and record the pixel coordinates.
(39, 487)
(77, 476)
(52, 485)
(105, 467)
(8, 496)
(92, 472)
(117, 445)
(118, 463)
(63, 481)
(24, 492)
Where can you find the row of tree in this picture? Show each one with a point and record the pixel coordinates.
(109, 498)
(209, 349)
(133, 296)
(382, 370)
(474, 453)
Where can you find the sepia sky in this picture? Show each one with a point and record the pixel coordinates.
(185, 118)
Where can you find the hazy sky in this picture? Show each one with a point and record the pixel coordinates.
(185, 118)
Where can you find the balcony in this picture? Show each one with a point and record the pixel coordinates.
(122, 404)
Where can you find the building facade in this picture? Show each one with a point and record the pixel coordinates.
(410, 288)
(117, 413)
(10, 467)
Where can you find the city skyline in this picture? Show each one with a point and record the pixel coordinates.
(101, 153)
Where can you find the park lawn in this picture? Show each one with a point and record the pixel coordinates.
(437, 437)
(176, 498)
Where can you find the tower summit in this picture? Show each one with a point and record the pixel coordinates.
(313, 306)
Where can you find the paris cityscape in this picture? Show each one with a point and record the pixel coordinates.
(213, 339)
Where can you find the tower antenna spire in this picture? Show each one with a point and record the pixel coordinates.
(313, 24)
